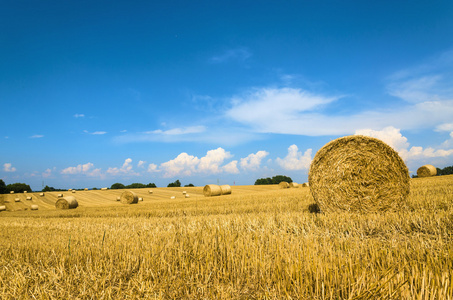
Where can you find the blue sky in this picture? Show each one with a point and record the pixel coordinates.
(98, 92)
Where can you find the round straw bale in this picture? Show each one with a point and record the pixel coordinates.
(186, 196)
(172, 197)
(212, 190)
(283, 185)
(305, 184)
(426, 171)
(184, 192)
(25, 192)
(28, 198)
(34, 207)
(69, 190)
(140, 199)
(60, 195)
(118, 198)
(225, 189)
(150, 192)
(104, 189)
(41, 194)
(68, 202)
(294, 185)
(2, 208)
(128, 197)
(73, 191)
(17, 200)
(11, 192)
(86, 189)
(358, 173)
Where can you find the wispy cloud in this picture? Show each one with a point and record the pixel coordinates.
(238, 54)
(95, 132)
(37, 136)
(126, 169)
(79, 116)
(178, 131)
(7, 167)
(85, 169)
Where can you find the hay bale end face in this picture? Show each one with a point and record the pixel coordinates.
(186, 196)
(2, 207)
(426, 171)
(34, 207)
(358, 173)
(210, 190)
(172, 197)
(68, 202)
(225, 189)
(140, 199)
(128, 197)
(283, 185)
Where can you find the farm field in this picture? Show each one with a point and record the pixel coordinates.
(260, 242)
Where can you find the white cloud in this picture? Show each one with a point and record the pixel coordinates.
(184, 164)
(85, 169)
(126, 169)
(295, 160)
(445, 127)
(47, 173)
(253, 161)
(79, 115)
(238, 54)
(141, 163)
(7, 167)
(231, 167)
(152, 168)
(95, 132)
(212, 161)
(178, 131)
(37, 136)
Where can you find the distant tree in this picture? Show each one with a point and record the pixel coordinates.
(94, 189)
(117, 186)
(188, 185)
(174, 184)
(47, 189)
(18, 187)
(274, 180)
(439, 171)
(447, 170)
(136, 186)
(151, 185)
(263, 181)
(2, 187)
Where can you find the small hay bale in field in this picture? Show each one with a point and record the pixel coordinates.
(150, 192)
(60, 195)
(25, 192)
(2, 208)
(68, 202)
(29, 198)
(128, 197)
(85, 189)
(283, 185)
(104, 189)
(34, 207)
(140, 199)
(210, 190)
(17, 200)
(41, 194)
(225, 189)
(70, 190)
(118, 198)
(184, 192)
(186, 196)
(306, 184)
(172, 197)
(294, 185)
(426, 171)
(358, 173)
(11, 192)
(73, 191)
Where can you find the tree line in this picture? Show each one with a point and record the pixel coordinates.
(274, 180)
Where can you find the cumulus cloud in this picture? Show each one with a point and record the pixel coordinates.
(393, 137)
(212, 161)
(295, 160)
(253, 161)
(152, 168)
(231, 167)
(85, 169)
(141, 163)
(7, 167)
(126, 169)
(184, 164)
(47, 173)
(95, 132)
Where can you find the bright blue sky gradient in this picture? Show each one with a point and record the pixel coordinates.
(98, 92)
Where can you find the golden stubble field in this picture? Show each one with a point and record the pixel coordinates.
(261, 242)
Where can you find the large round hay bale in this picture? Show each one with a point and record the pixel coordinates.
(225, 189)
(34, 207)
(283, 185)
(128, 197)
(2, 207)
(426, 171)
(358, 173)
(68, 202)
(294, 185)
(210, 190)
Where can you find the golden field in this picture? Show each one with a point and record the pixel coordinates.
(260, 242)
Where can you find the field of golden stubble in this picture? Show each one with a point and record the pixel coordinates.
(255, 245)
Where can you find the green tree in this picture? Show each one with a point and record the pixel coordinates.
(117, 186)
(151, 185)
(2, 187)
(136, 186)
(18, 187)
(279, 178)
(174, 184)
(263, 181)
(188, 185)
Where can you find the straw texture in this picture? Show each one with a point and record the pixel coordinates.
(225, 189)
(283, 185)
(68, 202)
(294, 185)
(210, 190)
(426, 171)
(358, 173)
(34, 207)
(128, 197)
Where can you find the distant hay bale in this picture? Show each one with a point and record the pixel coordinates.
(210, 190)
(2, 207)
(41, 194)
(294, 185)
(283, 185)
(186, 196)
(184, 192)
(305, 184)
(118, 198)
(17, 200)
(70, 190)
(427, 171)
(225, 189)
(128, 197)
(172, 197)
(150, 192)
(68, 202)
(34, 207)
(86, 189)
(73, 191)
(60, 195)
(29, 198)
(11, 192)
(25, 192)
(104, 189)
(358, 173)
(140, 199)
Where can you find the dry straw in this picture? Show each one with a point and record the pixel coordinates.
(283, 185)
(210, 190)
(28, 198)
(128, 197)
(60, 195)
(306, 184)
(86, 189)
(358, 173)
(140, 199)
(2, 208)
(118, 198)
(11, 192)
(17, 200)
(73, 191)
(294, 185)
(427, 171)
(104, 189)
(34, 207)
(150, 192)
(68, 202)
(186, 196)
(225, 189)
(41, 194)
(25, 192)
